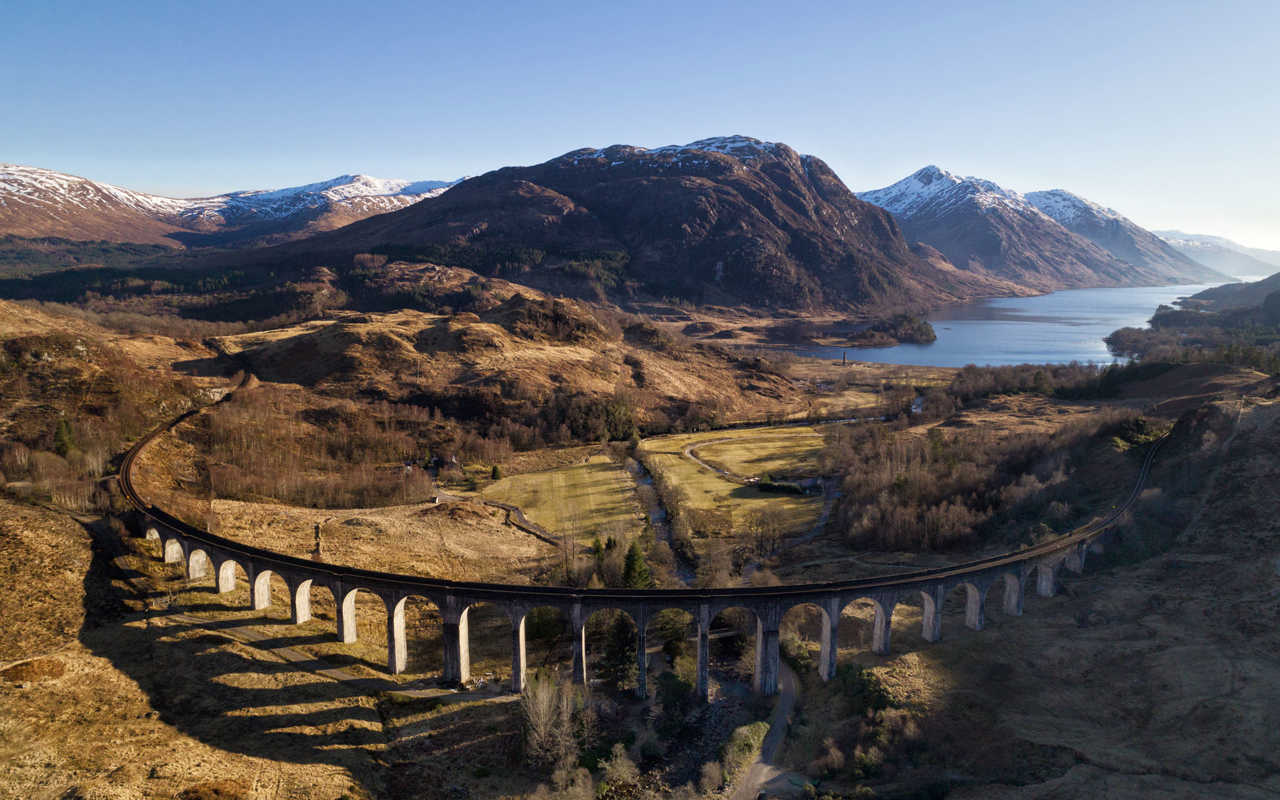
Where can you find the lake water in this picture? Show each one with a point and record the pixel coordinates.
(1050, 329)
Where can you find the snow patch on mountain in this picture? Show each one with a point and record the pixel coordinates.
(45, 187)
(744, 148)
(934, 191)
(1066, 207)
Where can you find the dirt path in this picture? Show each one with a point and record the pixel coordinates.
(764, 774)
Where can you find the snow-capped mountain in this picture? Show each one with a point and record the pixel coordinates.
(1120, 236)
(934, 192)
(38, 202)
(983, 227)
(1223, 254)
(729, 220)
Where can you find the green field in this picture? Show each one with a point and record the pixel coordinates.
(706, 489)
(579, 500)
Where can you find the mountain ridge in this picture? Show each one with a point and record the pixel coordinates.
(1120, 236)
(722, 220)
(37, 202)
(988, 229)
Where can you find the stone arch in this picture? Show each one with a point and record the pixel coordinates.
(548, 636)
(1012, 588)
(226, 575)
(300, 600)
(173, 551)
(1046, 573)
(151, 533)
(931, 602)
(198, 564)
(418, 618)
(808, 623)
(733, 633)
(493, 643)
(674, 630)
(966, 599)
(880, 608)
(610, 635)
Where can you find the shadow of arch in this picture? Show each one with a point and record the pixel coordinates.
(232, 697)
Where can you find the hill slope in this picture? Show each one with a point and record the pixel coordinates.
(989, 230)
(37, 203)
(1120, 237)
(728, 220)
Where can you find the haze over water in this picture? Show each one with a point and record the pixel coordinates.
(1054, 328)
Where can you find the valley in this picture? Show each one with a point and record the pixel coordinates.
(575, 479)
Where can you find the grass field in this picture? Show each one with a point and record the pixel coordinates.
(782, 451)
(705, 489)
(579, 500)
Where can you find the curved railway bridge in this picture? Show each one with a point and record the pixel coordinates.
(1014, 573)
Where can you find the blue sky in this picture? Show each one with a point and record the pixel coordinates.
(1169, 111)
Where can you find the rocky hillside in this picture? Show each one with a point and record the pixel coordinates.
(730, 220)
(38, 203)
(988, 230)
(1120, 236)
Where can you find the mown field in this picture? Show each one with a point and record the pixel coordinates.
(703, 488)
(580, 500)
(779, 452)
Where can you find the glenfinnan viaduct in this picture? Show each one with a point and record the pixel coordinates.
(202, 552)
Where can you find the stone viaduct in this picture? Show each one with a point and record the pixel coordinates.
(1012, 573)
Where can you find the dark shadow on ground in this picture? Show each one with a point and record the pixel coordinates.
(238, 698)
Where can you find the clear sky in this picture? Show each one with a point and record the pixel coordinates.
(1167, 111)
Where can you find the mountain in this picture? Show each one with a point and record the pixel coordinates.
(37, 203)
(728, 220)
(989, 230)
(1120, 237)
(1223, 254)
(1236, 295)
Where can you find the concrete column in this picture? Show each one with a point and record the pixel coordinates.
(703, 689)
(642, 656)
(767, 656)
(457, 643)
(226, 576)
(1075, 558)
(260, 590)
(882, 626)
(517, 649)
(931, 613)
(397, 647)
(975, 607)
(300, 608)
(346, 603)
(1046, 580)
(1012, 595)
(829, 654)
(578, 620)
